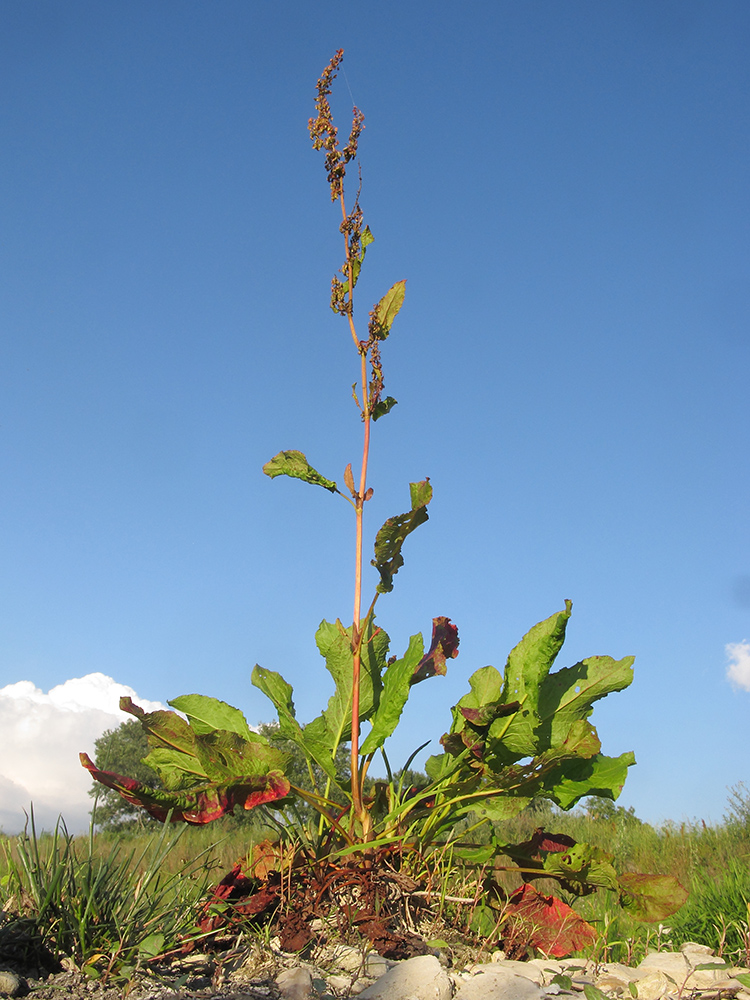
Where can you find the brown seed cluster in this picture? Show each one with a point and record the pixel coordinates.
(324, 133)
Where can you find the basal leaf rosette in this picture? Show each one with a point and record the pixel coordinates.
(525, 733)
(207, 765)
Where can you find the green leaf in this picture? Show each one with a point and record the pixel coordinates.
(600, 775)
(397, 682)
(280, 693)
(382, 407)
(582, 868)
(563, 981)
(385, 311)
(334, 725)
(294, 464)
(389, 540)
(496, 808)
(570, 693)
(743, 977)
(651, 897)
(592, 992)
(152, 945)
(528, 665)
(207, 714)
(184, 757)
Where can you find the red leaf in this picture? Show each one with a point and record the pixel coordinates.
(444, 647)
(547, 923)
(543, 841)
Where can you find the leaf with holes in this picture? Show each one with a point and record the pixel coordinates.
(391, 537)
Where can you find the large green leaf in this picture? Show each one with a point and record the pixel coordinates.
(280, 693)
(599, 775)
(396, 686)
(528, 665)
(208, 714)
(385, 311)
(294, 464)
(389, 540)
(334, 725)
(569, 694)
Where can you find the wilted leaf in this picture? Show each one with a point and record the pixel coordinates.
(651, 897)
(199, 804)
(389, 540)
(294, 464)
(549, 924)
(444, 647)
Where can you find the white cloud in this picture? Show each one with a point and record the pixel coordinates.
(738, 671)
(41, 736)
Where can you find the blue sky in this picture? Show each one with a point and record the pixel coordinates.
(564, 187)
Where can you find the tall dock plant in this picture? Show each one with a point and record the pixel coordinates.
(516, 735)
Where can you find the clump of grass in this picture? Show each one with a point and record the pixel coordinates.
(717, 912)
(111, 913)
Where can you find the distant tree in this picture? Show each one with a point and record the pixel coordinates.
(605, 810)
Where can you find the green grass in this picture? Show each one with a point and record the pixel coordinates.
(110, 906)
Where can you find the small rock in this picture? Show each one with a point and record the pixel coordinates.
(615, 978)
(495, 980)
(528, 970)
(548, 969)
(420, 978)
(295, 984)
(673, 963)
(696, 953)
(344, 957)
(342, 984)
(655, 984)
(10, 984)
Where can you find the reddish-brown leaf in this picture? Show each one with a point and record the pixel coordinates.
(547, 923)
(444, 647)
(199, 805)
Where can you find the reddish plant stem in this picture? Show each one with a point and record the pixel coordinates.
(359, 810)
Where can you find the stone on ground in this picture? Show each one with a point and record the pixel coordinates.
(496, 980)
(420, 978)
